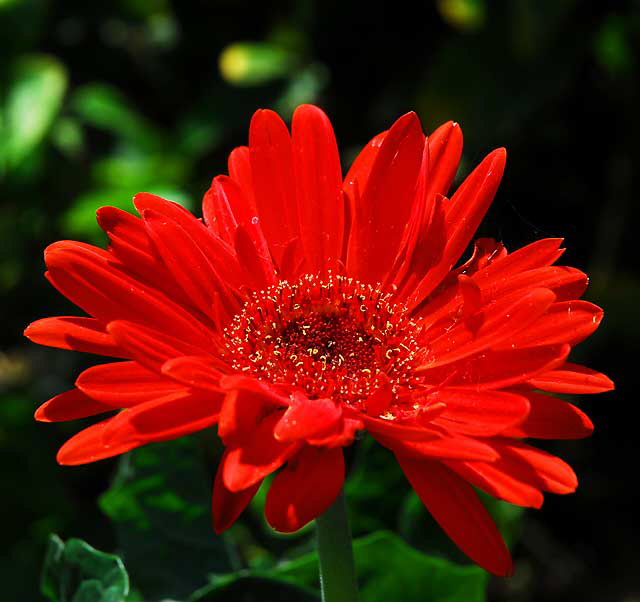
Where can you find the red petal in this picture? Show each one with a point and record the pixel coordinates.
(201, 372)
(243, 409)
(572, 378)
(565, 322)
(319, 188)
(383, 209)
(482, 413)
(124, 227)
(392, 430)
(463, 214)
(502, 320)
(86, 276)
(356, 179)
(254, 257)
(70, 405)
(273, 181)
(499, 483)
(342, 435)
(226, 505)
(535, 467)
(188, 265)
(150, 347)
(445, 148)
(552, 418)
(130, 243)
(79, 334)
(307, 418)
(87, 446)
(452, 447)
(163, 419)
(304, 488)
(246, 465)
(240, 171)
(215, 249)
(567, 283)
(455, 506)
(538, 254)
(216, 207)
(499, 369)
(124, 384)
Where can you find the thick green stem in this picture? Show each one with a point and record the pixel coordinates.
(337, 570)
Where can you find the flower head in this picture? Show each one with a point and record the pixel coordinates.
(305, 308)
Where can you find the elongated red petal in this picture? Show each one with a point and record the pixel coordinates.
(151, 347)
(572, 378)
(130, 244)
(202, 372)
(254, 257)
(214, 248)
(227, 505)
(80, 334)
(304, 488)
(172, 416)
(185, 260)
(538, 254)
(567, 283)
(565, 322)
(455, 506)
(70, 405)
(272, 171)
(482, 413)
(534, 466)
(499, 369)
(318, 188)
(217, 207)
(356, 179)
(392, 430)
(379, 223)
(551, 418)
(88, 446)
(240, 171)
(125, 228)
(498, 482)
(500, 322)
(453, 447)
(462, 216)
(444, 147)
(87, 276)
(124, 384)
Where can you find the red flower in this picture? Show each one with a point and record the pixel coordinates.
(304, 309)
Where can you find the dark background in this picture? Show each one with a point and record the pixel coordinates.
(101, 100)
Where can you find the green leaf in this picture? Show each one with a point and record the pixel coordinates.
(34, 99)
(385, 566)
(104, 107)
(161, 503)
(76, 572)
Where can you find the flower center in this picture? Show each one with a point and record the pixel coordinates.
(332, 337)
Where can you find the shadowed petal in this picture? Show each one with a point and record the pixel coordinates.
(227, 505)
(455, 506)
(304, 488)
(70, 405)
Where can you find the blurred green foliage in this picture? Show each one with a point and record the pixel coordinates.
(101, 100)
(76, 572)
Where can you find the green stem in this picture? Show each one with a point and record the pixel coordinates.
(337, 570)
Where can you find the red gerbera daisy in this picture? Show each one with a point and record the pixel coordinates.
(305, 308)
